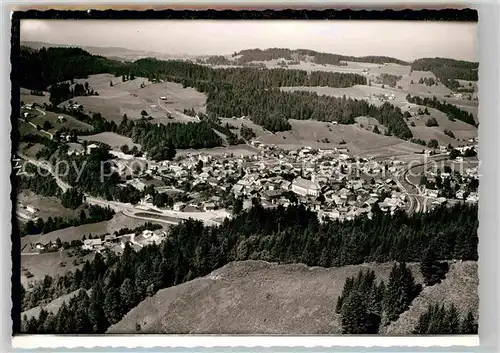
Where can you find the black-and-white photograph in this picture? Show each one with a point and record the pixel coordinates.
(247, 177)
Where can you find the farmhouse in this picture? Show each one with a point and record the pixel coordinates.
(305, 187)
(61, 119)
(92, 244)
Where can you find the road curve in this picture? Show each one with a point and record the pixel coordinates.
(127, 209)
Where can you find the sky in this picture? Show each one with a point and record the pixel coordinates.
(405, 40)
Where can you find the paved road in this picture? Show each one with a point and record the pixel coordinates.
(416, 204)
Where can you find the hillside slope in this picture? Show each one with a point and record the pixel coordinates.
(459, 287)
(257, 297)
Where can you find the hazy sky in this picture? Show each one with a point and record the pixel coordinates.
(401, 39)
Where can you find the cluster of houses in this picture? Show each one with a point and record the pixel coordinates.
(117, 243)
(328, 181)
(109, 242)
(459, 184)
(382, 97)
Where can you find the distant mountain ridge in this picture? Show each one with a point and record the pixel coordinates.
(317, 57)
(109, 52)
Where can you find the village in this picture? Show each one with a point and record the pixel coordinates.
(330, 182)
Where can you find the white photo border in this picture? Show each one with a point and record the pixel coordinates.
(489, 213)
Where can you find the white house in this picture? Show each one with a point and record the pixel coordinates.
(31, 209)
(209, 206)
(91, 244)
(91, 146)
(179, 206)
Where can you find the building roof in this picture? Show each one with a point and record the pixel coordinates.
(92, 242)
(306, 184)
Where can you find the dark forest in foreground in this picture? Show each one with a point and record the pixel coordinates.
(285, 235)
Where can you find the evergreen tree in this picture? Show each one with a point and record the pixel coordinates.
(96, 314)
(127, 295)
(113, 305)
(400, 291)
(468, 325)
(432, 270)
(354, 314)
(453, 320)
(238, 205)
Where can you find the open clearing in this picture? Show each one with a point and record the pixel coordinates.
(49, 264)
(120, 221)
(52, 307)
(47, 206)
(130, 99)
(237, 150)
(26, 97)
(112, 139)
(239, 122)
(65, 234)
(370, 69)
(30, 150)
(358, 141)
(363, 92)
(257, 297)
(69, 123)
(460, 129)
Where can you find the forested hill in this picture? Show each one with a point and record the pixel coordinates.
(248, 55)
(230, 91)
(285, 235)
(40, 68)
(448, 71)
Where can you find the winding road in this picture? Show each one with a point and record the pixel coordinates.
(130, 210)
(417, 201)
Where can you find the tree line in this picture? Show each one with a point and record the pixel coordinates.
(391, 80)
(448, 71)
(38, 69)
(62, 91)
(93, 214)
(44, 185)
(49, 288)
(250, 55)
(449, 109)
(286, 235)
(439, 320)
(272, 108)
(158, 140)
(364, 305)
(161, 140)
